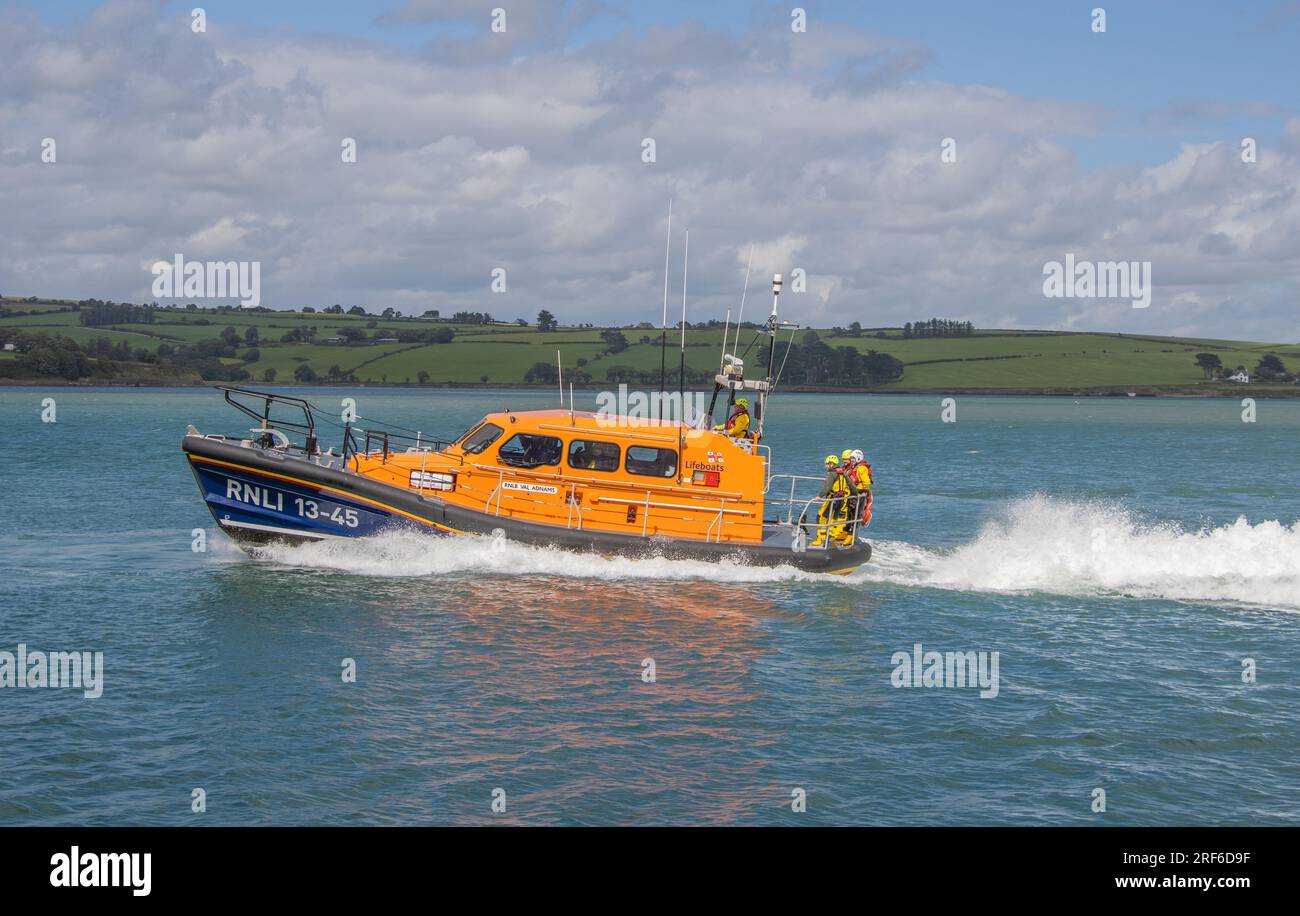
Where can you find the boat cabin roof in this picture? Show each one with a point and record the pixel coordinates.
(564, 423)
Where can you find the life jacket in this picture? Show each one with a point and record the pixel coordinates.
(864, 482)
(738, 424)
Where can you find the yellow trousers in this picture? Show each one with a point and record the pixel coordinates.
(834, 515)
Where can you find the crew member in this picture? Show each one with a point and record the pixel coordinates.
(835, 495)
(737, 425)
(862, 477)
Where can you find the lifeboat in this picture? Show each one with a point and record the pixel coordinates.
(577, 480)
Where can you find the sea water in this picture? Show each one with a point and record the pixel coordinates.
(1129, 568)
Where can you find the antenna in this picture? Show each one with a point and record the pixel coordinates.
(559, 368)
(663, 327)
(681, 372)
(741, 317)
(726, 329)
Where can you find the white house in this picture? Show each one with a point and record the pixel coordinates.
(1241, 375)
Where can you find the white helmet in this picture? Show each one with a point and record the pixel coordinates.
(858, 456)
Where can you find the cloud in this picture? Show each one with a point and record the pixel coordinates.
(822, 150)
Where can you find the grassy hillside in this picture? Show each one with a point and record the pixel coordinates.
(502, 354)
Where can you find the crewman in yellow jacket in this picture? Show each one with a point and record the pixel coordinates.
(737, 425)
(836, 496)
(862, 477)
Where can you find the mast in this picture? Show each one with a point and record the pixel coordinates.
(771, 328)
(771, 354)
(663, 327)
(681, 372)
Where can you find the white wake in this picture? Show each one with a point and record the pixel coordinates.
(1064, 547)
(1036, 544)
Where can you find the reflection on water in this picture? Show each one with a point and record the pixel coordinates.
(1121, 601)
(533, 679)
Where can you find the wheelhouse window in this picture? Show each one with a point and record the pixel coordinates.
(593, 456)
(525, 450)
(481, 438)
(651, 462)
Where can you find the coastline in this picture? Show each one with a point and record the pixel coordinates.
(1281, 392)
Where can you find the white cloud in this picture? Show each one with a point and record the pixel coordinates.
(821, 149)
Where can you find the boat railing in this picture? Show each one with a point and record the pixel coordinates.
(260, 405)
(383, 443)
(792, 499)
(839, 512)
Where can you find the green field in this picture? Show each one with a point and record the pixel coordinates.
(502, 353)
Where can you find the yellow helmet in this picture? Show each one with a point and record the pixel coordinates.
(742, 402)
(846, 455)
(832, 460)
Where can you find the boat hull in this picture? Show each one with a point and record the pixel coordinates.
(257, 494)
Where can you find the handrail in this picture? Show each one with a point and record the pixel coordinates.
(642, 502)
(790, 499)
(496, 493)
(849, 524)
(230, 392)
(573, 504)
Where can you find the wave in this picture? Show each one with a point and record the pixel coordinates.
(1042, 544)
(1035, 544)
(408, 553)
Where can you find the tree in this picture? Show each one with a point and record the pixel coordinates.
(546, 321)
(1209, 363)
(230, 335)
(305, 373)
(250, 335)
(1270, 367)
(356, 310)
(423, 377)
(615, 342)
(268, 375)
(541, 372)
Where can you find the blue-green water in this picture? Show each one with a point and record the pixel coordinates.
(1123, 557)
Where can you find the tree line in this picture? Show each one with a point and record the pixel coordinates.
(938, 327)
(1269, 368)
